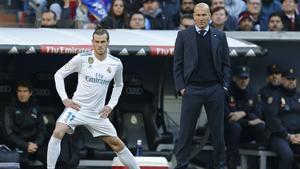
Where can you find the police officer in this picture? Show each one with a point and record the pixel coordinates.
(25, 127)
(273, 82)
(283, 120)
(243, 122)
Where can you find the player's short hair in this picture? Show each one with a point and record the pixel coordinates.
(99, 30)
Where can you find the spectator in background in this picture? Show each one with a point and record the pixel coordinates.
(291, 18)
(186, 7)
(55, 7)
(63, 13)
(255, 7)
(217, 3)
(235, 7)
(243, 122)
(282, 120)
(90, 12)
(170, 7)
(186, 20)
(49, 20)
(231, 23)
(246, 21)
(137, 21)
(219, 17)
(117, 17)
(275, 22)
(31, 9)
(155, 17)
(133, 5)
(82, 20)
(268, 7)
(25, 126)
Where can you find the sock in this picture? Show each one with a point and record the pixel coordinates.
(127, 159)
(53, 152)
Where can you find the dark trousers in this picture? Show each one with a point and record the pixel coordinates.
(40, 154)
(212, 98)
(285, 151)
(235, 134)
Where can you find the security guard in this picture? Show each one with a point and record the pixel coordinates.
(283, 120)
(25, 127)
(243, 123)
(273, 82)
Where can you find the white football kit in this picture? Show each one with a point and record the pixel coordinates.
(94, 77)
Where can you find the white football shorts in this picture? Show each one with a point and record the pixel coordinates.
(96, 125)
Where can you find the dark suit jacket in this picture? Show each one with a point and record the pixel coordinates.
(186, 56)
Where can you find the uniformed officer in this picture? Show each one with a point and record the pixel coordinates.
(273, 82)
(283, 120)
(243, 122)
(25, 127)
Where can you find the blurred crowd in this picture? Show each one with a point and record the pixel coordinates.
(226, 15)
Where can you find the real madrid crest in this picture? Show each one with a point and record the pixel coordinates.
(270, 100)
(90, 61)
(231, 99)
(282, 102)
(259, 98)
(133, 119)
(109, 69)
(250, 102)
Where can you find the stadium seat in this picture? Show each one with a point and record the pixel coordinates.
(44, 90)
(45, 94)
(252, 149)
(135, 118)
(7, 88)
(93, 149)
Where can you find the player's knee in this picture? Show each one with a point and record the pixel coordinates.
(58, 133)
(117, 145)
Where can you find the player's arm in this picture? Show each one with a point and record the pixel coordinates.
(74, 65)
(118, 86)
(116, 93)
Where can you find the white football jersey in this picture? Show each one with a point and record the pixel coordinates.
(94, 77)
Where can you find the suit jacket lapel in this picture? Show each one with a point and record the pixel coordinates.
(193, 38)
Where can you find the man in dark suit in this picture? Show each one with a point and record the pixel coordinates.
(202, 74)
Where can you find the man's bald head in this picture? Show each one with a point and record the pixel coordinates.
(201, 15)
(202, 6)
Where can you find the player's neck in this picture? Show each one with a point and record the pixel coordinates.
(101, 57)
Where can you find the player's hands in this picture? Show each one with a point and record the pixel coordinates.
(32, 147)
(235, 116)
(294, 138)
(255, 122)
(105, 112)
(71, 104)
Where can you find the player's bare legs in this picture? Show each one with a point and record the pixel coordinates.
(121, 150)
